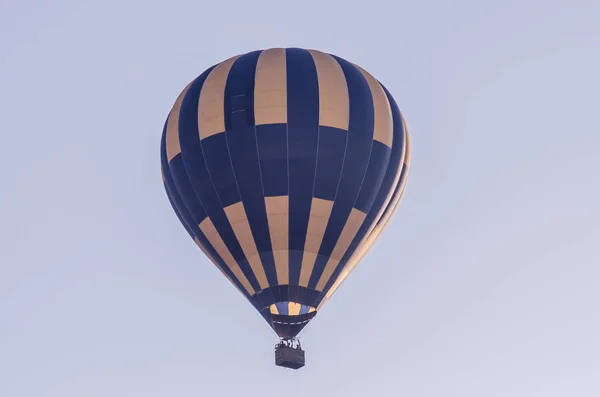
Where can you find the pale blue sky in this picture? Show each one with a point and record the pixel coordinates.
(486, 283)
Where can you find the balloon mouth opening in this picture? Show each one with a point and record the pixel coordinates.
(288, 318)
(290, 309)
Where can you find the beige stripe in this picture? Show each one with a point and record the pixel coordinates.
(238, 219)
(320, 212)
(270, 88)
(334, 102)
(172, 138)
(273, 308)
(278, 217)
(407, 153)
(372, 236)
(211, 119)
(384, 123)
(353, 223)
(213, 237)
(294, 308)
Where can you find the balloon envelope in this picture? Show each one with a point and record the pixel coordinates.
(284, 165)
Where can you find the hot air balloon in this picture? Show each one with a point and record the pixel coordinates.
(284, 165)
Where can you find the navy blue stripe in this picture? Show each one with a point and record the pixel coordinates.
(216, 154)
(194, 160)
(186, 191)
(387, 185)
(243, 150)
(358, 151)
(239, 92)
(303, 133)
(172, 193)
(332, 148)
(178, 213)
(272, 148)
(396, 190)
(378, 165)
(280, 293)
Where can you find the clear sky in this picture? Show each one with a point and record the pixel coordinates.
(486, 283)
